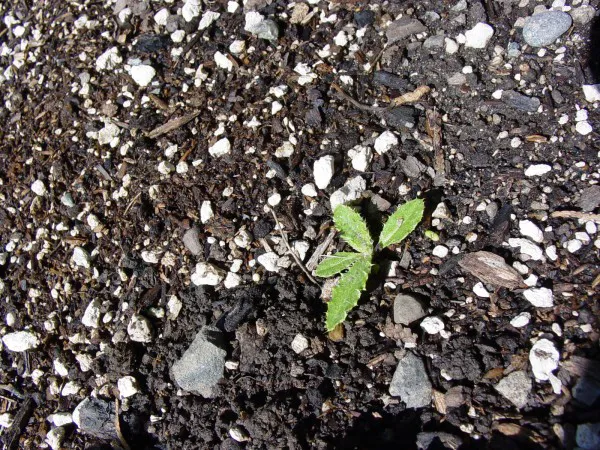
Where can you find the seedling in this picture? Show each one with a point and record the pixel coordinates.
(356, 267)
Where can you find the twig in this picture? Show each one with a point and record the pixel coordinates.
(292, 252)
(122, 440)
(314, 259)
(575, 215)
(409, 97)
(172, 124)
(359, 105)
(434, 130)
(133, 200)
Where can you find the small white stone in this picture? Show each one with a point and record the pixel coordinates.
(479, 35)
(269, 261)
(432, 325)
(515, 142)
(174, 306)
(127, 386)
(243, 239)
(583, 237)
(497, 94)
(39, 188)
(232, 280)
(551, 252)
(223, 61)
(581, 114)
(91, 316)
(237, 47)
(54, 438)
(591, 228)
(573, 245)
(323, 171)
(81, 258)
(385, 142)
(441, 251)
(537, 170)
(142, 74)
(70, 388)
(151, 256)
(539, 297)
(208, 18)
(161, 17)
(531, 230)
(109, 60)
(61, 418)
(220, 148)
(591, 92)
(278, 91)
(521, 320)
(341, 39)
(274, 199)
(309, 190)
(165, 167)
(531, 280)
(232, 6)
(139, 329)
(352, 190)
(20, 341)
(207, 274)
(206, 211)
(526, 247)
(361, 157)
(178, 36)
(544, 358)
(6, 420)
(584, 128)
(556, 329)
(191, 9)
(451, 46)
(299, 344)
(285, 150)
(276, 107)
(109, 135)
(441, 212)
(480, 290)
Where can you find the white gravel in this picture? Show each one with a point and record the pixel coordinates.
(479, 35)
(385, 142)
(20, 341)
(142, 74)
(537, 170)
(531, 230)
(432, 325)
(323, 171)
(207, 274)
(220, 148)
(521, 320)
(539, 297)
(299, 344)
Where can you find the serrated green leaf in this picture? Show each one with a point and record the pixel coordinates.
(346, 293)
(334, 264)
(402, 223)
(353, 229)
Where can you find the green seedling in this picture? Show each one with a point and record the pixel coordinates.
(355, 267)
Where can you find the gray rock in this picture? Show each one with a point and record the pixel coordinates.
(390, 80)
(546, 27)
(411, 383)
(520, 101)
(513, 50)
(401, 117)
(403, 28)
(588, 436)
(426, 439)
(96, 417)
(586, 391)
(515, 388)
(457, 79)
(268, 30)
(412, 167)
(408, 308)
(590, 198)
(191, 240)
(202, 365)
(433, 43)
(583, 15)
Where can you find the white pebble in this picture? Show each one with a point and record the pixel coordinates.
(573, 245)
(480, 290)
(127, 386)
(441, 251)
(91, 316)
(451, 46)
(323, 171)
(269, 261)
(220, 148)
(539, 297)
(274, 199)
(207, 19)
(206, 211)
(521, 320)
(81, 258)
(223, 61)
(591, 92)
(526, 247)
(165, 167)
(385, 141)
(537, 169)
(479, 35)
(531, 230)
(361, 157)
(432, 325)
(584, 128)
(151, 256)
(20, 341)
(299, 344)
(237, 47)
(551, 252)
(544, 358)
(232, 280)
(109, 60)
(142, 74)
(309, 190)
(139, 329)
(591, 228)
(39, 188)
(207, 274)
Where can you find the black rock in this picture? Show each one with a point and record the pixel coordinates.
(520, 101)
(151, 43)
(388, 79)
(96, 417)
(364, 18)
(401, 117)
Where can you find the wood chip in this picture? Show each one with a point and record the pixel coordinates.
(337, 334)
(172, 124)
(439, 401)
(411, 97)
(433, 126)
(313, 262)
(492, 269)
(575, 215)
(538, 138)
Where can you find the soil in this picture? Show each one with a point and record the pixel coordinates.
(335, 393)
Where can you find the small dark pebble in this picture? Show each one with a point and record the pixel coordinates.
(364, 18)
(391, 80)
(151, 43)
(520, 101)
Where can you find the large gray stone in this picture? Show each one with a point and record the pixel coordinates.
(191, 240)
(588, 436)
(515, 388)
(408, 308)
(411, 383)
(546, 27)
(402, 28)
(202, 365)
(586, 391)
(96, 417)
(520, 101)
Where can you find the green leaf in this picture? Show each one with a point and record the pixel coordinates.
(353, 229)
(402, 223)
(334, 264)
(346, 293)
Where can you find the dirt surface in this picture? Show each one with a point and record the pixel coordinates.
(85, 170)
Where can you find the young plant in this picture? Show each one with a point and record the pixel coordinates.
(354, 231)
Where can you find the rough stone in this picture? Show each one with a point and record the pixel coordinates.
(191, 240)
(520, 101)
(202, 365)
(408, 308)
(96, 417)
(546, 27)
(411, 383)
(515, 388)
(402, 28)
